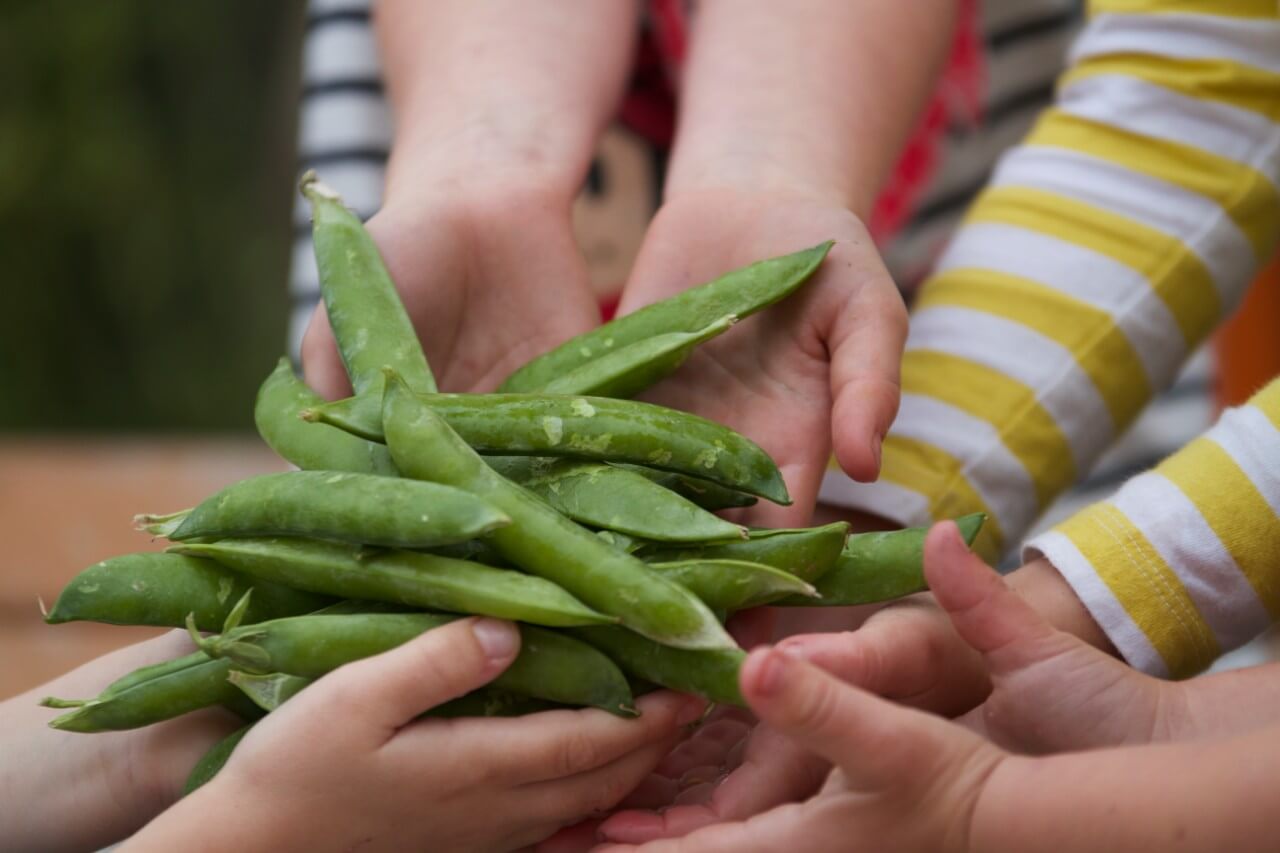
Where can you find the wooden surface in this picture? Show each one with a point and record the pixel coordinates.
(66, 503)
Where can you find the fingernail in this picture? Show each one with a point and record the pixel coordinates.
(497, 639)
(691, 711)
(773, 672)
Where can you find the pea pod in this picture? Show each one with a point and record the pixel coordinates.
(880, 566)
(214, 760)
(704, 493)
(594, 428)
(131, 679)
(281, 400)
(604, 496)
(741, 293)
(161, 589)
(401, 577)
(711, 673)
(628, 370)
(541, 540)
(488, 702)
(359, 508)
(550, 666)
(268, 690)
(730, 585)
(369, 321)
(806, 552)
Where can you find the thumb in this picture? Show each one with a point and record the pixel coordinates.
(989, 615)
(877, 744)
(395, 687)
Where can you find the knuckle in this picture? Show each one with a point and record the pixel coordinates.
(578, 752)
(819, 708)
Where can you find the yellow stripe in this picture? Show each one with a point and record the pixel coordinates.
(932, 471)
(1246, 195)
(1229, 8)
(1144, 585)
(1235, 509)
(1267, 401)
(1027, 430)
(1221, 80)
(1187, 290)
(1100, 347)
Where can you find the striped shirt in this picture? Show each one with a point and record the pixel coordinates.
(1106, 247)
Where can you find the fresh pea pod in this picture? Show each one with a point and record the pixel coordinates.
(704, 493)
(281, 400)
(594, 428)
(268, 690)
(488, 702)
(807, 552)
(541, 540)
(131, 679)
(730, 585)
(359, 508)
(711, 673)
(628, 370)
(402, 577)
(162, 696)
(879, 566)
(369, 321)
(214, 760)
(550, 666)
(161, 589)
(741, 293)
(601, 495)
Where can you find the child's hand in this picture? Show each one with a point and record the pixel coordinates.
(65, 791)
(823, 362)
(348, 763)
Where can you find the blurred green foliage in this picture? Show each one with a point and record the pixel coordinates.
(146, 170)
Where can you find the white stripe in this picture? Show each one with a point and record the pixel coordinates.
(299, 317)
(1192, 551)
(889, 500)
(1064, 390)
(1112, 618)
(1220, 128)
(1253, 443)
(320, 7)
(1192, 219)
(1251, 41)
(358, 182)
(346, 120)
(348, 52)
(1095, 279)
(996, 475)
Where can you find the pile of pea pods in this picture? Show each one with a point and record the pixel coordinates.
(559, 503)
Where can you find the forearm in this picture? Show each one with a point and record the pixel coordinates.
(1212, 795)
(500, 92)
(817, 98)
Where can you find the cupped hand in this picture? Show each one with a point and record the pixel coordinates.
(490, 278)
(819, 367)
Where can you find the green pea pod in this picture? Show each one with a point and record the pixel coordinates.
(162, 696)
(161, 589)
(807, 552)
(281, 400)
(594, 428)
(711, 673)
(542, 541)
(348, 507)
(402, 577)
(879, 566)
(369, 321)
(601, 495)
(741, 293)
(214, 760)
(488, 702)
(628, 370)
(269, 690)
(730, 585)
(131, 679)
(550, 666)
(704, 493)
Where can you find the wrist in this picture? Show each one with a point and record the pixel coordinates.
(1045, 589)
(747, 170)
(998, 810)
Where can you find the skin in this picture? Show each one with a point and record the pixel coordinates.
(905, 780)
(389, 780)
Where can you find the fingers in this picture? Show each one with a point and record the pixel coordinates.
(878, 745)
(391, 689)
(783, 828)
(989, 615)
(866, 354)
(321, 365)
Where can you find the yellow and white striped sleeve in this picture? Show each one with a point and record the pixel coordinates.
(1183, 563)
(1106, 246)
